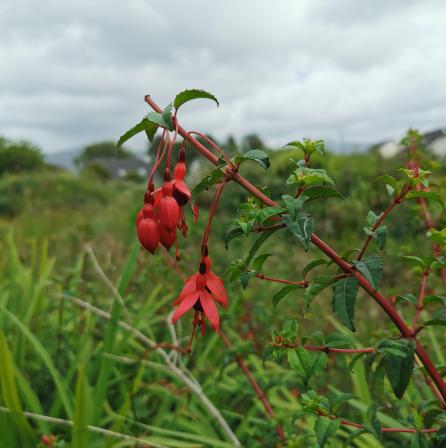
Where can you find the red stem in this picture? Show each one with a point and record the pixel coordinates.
(304, 283)
(419, 305)
(383, 303)
(258, 391)
(397, 200)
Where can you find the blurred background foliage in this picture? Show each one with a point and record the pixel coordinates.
(63, 361)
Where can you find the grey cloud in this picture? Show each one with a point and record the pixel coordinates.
(74, 71)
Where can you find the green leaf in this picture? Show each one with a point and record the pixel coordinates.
(391, 181)
(437, 236)
(257, 244)
(371, 268)
(268, 212)
(374, 426)
(408, 297)
(430, 195)
(164, 120)
(232, 233)
(294, 204)
(308, 146)
(192, 94)
(325, 428)
(144, 125)
(438, 318)
(372, 218)
(167, 116)
(302, 227)
(261, 157)
(322, 192)
(258, 261)
(381, 236)
(415, 260)
(208, 181)
(344, 298)
(306, 364)
(305, 176)
(399, 369)
(278, 296)
(313, 264)
(317, 285)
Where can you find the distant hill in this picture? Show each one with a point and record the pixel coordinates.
(65, 159)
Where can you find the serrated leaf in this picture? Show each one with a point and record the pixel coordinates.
(399, 369)
(321, 192)
(160, 120)
(208, 181)
(325, 428)
(144, 125)
(305, 176)
(192, 94)
(344, 298)
(306, 364)
(232, 233)
(259, 156)
(302, 227)
(371, 268)
(167, 116)
(317, 285)
(294, 204)
(430, 195)
(381, 236)
(279, 295)
(338, 340)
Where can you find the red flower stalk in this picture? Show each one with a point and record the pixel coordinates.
(200, 292)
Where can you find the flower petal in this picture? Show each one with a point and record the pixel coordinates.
(210, 309)
(217, 288)
(189, 286)
(181, 186)
(186, 304)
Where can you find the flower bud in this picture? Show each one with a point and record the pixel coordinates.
(148, 234)
(169, 211)
(167, 237)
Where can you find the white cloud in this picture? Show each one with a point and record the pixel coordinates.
(76, 71)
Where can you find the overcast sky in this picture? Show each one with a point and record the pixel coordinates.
(72, 72)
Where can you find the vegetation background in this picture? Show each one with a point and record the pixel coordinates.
(68, 249)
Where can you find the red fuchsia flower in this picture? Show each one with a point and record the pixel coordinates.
(200, 292)
(181, 191)
(169, 211)
(148, 228)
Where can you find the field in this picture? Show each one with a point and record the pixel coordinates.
(88, 353)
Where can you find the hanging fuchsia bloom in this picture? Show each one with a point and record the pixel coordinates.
(148, 228)
(200, 292)
(181, 191)
(169, 211)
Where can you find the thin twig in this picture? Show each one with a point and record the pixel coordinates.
(303, 284)
(258, 391)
